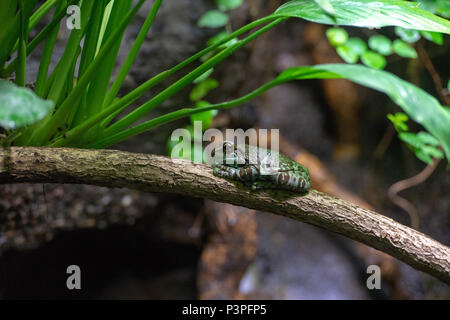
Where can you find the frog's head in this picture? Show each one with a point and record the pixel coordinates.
(232, 155)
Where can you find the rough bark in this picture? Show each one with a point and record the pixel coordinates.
(153, 173)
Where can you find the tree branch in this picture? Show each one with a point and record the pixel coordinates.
(153, 173)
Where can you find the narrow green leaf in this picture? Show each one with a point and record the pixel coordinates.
(367, 13)
(403, 49)
(337, 36)
(20, 106)
(213, 19)
(381, 44)
(373, 59)
(408, 35)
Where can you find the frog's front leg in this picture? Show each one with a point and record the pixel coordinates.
(245, 173)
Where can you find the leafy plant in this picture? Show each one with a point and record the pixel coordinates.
(86, 104)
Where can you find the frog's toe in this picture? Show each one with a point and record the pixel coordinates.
(216, 171)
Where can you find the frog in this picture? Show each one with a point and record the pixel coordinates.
(256, 167)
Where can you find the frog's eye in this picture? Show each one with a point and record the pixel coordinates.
(228, 147)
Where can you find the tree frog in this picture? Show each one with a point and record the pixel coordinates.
(258, 168)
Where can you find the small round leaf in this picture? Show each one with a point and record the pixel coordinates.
(20, 106)
(403, 49)
(381, 44)
(213, 19)
(337, 36)
(373, 60)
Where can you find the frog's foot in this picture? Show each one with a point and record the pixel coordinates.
(248, 173)
(258, 185)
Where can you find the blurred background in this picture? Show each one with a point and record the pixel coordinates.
(135, 245)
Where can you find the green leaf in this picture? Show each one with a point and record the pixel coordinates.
(203, 76)
(367, 13)
(20, 106)
(225, 5)
(205, 117)
(399, 120)
(403, 49)
(433, 152)
(219, 37)
(443, 8)
(326, 6)
(356, 45)
(337, 36)
(427, 138)
(408, 35)
(425, 157)
(202, 89)
(373, 59)
(435, 37)
(347, 54)
(411, 139)
(213, 19)
(381, 44)
(420, 106)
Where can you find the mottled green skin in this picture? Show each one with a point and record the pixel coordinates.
(251, 166)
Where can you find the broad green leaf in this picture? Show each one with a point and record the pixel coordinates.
(403, 49)
(20, 106)
(435, 37)
(201, 89)
(408, 35)
(415, 102)
(326, 6)
(357, 45)
(381, 44)
(225, 5)
(213, 19)
(367, 13)
(337, 36)
(347, 54)
(373, 59)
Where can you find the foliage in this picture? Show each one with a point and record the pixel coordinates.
(86, 101)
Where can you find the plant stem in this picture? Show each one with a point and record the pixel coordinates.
(122, 103)
(177, 86)
(111, 140)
